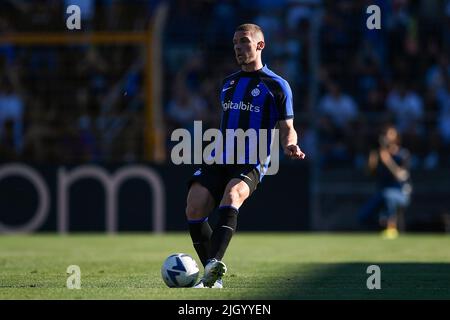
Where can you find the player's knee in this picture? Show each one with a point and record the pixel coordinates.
(236, 194)
(229, 197)
(194, 211)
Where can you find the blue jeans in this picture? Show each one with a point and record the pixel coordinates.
(395, 199)
(384, 203)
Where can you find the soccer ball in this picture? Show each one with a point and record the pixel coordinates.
(180, 270)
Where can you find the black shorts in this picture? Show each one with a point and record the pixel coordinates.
(215, 177)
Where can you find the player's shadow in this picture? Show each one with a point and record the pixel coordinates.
(349, 281)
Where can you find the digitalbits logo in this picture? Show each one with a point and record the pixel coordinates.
(230, 105)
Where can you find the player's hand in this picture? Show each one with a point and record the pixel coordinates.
(293, 151)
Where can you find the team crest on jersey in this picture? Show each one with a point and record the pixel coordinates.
(231, 82)
(255, 92)
(198, 172)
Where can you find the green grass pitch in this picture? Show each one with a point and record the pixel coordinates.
(261, 266)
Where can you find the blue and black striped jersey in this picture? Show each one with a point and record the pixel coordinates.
(254, 100)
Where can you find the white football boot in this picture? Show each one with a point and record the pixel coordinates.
(217, 285)
(214, 271)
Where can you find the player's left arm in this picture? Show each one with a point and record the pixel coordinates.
(288, 137)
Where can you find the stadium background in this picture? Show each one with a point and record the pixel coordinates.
(108, 96)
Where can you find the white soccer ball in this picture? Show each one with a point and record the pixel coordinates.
(179, 271)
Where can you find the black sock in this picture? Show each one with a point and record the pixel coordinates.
(201, 232)
(223, 232)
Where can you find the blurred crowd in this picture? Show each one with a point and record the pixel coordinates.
(71, 103)
(399, 74)
(366, 78)
(61, 103)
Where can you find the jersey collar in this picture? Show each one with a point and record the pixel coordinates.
(255, 73)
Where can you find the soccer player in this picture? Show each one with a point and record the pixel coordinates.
(252, 98)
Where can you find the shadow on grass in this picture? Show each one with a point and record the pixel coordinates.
(349, 281)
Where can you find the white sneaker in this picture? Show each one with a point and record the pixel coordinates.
(217, 285)
(214, 271)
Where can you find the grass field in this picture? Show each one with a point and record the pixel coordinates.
(261, 266)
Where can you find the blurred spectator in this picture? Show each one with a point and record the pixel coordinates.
(333, 149)
(437, 73)
(340, 107)
(184, 108)
(389, 162)
(406, 105)
(368, 74)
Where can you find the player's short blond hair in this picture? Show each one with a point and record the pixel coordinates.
(250, 27)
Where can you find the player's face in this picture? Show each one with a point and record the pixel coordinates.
(245, 47)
